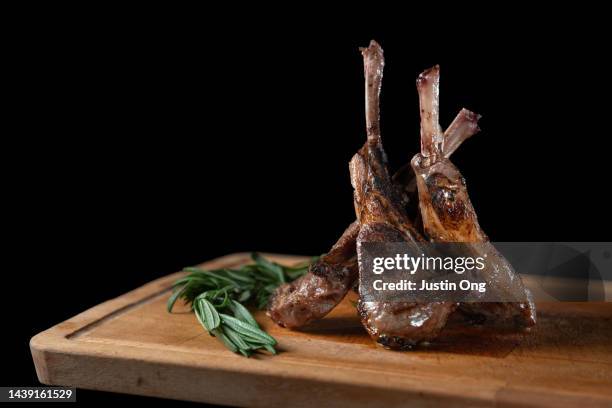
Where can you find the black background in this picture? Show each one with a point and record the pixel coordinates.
(141, 142)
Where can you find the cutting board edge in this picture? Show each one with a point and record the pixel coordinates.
(344, 387)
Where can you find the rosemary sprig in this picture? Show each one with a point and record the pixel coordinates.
(218, 298)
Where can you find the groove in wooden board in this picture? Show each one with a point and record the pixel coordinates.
(334, 354)
(166, 282)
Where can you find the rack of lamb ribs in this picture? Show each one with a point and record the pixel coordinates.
(314, 295)
(426, 200)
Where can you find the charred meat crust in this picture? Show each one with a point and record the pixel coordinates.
(443, 199)
(335, 272)
(380, 232)
(511, 315)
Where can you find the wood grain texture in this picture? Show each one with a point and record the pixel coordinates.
(132, 345)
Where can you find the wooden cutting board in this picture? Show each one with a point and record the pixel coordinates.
(132, 345)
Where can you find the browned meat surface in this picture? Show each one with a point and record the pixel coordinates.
(448, 216)
(464, 126)
(382, 218)
(315, 294)
(399, 325)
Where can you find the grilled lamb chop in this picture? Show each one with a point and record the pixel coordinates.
(315, 294)
(448, 216)
(382, 218)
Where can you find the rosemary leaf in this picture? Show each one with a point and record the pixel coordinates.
(177, 293)
(239, 276)
(236, 338)
(207, 314)
(270, 266)
(243, 314)
(247, 330)
(218, 333)
(212, 274)
(244, 296)
(270, 348)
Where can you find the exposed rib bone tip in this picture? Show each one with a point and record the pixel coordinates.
(373, 48)
(428, 73)
(471, 116)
